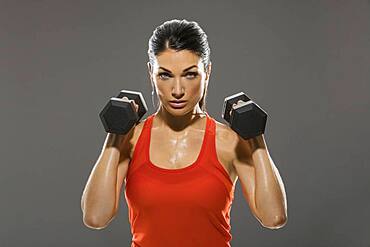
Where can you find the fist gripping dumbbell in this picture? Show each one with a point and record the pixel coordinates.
(244, 116)
(120, 114)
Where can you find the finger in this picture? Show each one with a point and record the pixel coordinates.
(135, 105)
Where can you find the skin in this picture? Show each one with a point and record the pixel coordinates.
(184, 127)
(248, 160)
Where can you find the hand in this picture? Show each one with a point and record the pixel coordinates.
(235, 105)
(136, 106)
(244, 116)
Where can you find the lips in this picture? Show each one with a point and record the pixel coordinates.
(177, 103)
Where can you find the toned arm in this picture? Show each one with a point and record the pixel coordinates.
(100, 198)
(261, 183)
(121, 174)
(243, 165)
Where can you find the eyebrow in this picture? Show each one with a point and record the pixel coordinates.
(183, 70)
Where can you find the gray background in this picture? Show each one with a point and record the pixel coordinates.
(305, 62)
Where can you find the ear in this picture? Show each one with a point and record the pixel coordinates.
(150, 71)
(149, 68)
(209, 71)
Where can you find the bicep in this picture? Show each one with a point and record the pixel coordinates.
(246, 175)
(121, 175)
(123, 164)
(243, 164)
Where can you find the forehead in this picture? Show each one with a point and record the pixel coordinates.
(177, 60)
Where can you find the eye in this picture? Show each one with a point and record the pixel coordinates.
(163, 75)
(191, 75)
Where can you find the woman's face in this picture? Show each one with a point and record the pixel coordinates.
(179, 76)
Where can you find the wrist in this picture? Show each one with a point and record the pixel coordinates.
(114, 139)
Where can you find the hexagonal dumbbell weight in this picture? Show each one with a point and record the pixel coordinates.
(120, 115)
(246, 118)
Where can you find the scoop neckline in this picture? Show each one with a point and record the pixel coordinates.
(176, 170)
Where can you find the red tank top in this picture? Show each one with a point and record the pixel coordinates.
(185, 207)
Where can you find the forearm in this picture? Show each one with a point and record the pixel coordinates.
(270, 198)
(98, 199)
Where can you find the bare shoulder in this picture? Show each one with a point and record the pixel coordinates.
(226, 141)
(225, 134)
(235, 145)
(134, 135)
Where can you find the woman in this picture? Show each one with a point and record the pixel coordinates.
(180, 165)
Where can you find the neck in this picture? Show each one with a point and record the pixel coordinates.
(178, 123)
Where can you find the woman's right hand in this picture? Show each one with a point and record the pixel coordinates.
(133, 103)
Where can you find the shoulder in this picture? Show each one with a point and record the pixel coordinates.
(226, 137)
(236, 146)
(134, 135)
(139, 127)
(225, 133)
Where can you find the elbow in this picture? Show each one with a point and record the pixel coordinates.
(95, 222)
(97, 219)
(275, 222)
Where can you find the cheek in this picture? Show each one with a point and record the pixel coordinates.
(196, 90)
(163, 90)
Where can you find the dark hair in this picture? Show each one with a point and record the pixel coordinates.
(181, 35)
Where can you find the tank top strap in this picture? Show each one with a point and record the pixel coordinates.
(207, 158)
(212, 163)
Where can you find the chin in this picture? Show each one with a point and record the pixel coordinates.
(177, 112)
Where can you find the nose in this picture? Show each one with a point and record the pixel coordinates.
(178, 90)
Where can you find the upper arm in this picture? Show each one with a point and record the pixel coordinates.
(126, 151)
(245, 170)
(123, 165)
(121, 175)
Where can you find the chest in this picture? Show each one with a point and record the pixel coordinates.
(172, 151)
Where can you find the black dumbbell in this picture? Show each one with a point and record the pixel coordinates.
(120, 115)
(247, 118)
